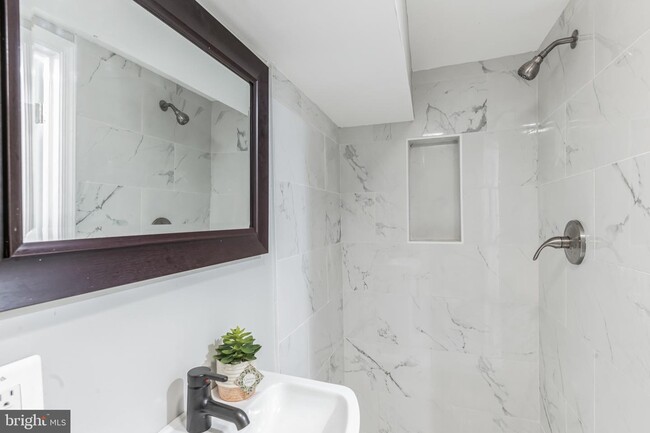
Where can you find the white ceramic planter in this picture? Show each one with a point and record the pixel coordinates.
(229, 391)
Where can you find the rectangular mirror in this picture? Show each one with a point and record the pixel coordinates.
(121, 138)
(135, 145)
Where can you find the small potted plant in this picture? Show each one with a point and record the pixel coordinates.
(235, 359)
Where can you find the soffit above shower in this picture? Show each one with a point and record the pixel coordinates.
(350, 57)
(451, 32)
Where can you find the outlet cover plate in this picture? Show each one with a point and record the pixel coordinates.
(26, 376)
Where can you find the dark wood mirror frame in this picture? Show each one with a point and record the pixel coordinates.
(32, 273)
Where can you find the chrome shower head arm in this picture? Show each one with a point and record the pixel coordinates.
(573, 40)
(530, 69)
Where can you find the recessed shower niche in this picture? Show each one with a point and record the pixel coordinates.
(434, 189)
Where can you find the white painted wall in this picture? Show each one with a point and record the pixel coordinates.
(118, 358)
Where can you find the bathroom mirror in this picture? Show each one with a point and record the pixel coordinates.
(120, 138)
(133, 130)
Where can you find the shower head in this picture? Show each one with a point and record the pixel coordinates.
(181, 117)
(530, 69)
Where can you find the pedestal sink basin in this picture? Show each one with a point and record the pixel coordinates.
(287, 404)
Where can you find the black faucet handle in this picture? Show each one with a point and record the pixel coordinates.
(198, 377)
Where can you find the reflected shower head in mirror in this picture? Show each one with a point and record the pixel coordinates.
(530, 69)
(181, 117)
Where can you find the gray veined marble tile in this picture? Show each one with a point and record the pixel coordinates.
(379, 319)
(459, 271)
(392, 371)
(506, 63)
(374, 167)
(472, 421)
(518, 217)
(622, 213)
(109, 87)
(332, 166)
(504, 387)
(186, 211)
(302, 289)
(335, 273)
(299, 149)
(110, 155)
(333, 218)
(517, 157)
(286, 205)
(594, 138)
(326, 333)
(389, 132)
(318, 220)
(308, 219)
(230, 173)
(618, 24)
(335, 365)
(621, 404)
(192, 170)
(230, 129)
(551, 137)
(229, 211)
(161, 124)
(373, 217)
(503, 330)
(291, 97)
(512, 101)
(358, 217)
(564, 200)
(480, 161)
(293, 351)
(405, 415)
(107, 210)
(622, 88)
(447, 73)
(451, 107)
(565, 71)
(553, 410)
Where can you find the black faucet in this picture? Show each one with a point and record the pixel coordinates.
(201, 407)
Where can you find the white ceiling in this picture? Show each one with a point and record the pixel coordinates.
(352, 58)
(450, 32)
(347, 56)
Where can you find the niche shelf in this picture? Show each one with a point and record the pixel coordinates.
(434, 190)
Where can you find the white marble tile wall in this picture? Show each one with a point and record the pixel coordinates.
(135, 163)
(593, 166)
(308, 235)
(445, 337)
(230, 170)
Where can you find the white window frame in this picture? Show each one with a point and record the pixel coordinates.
(49, 133)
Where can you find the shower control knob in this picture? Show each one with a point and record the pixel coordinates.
(574, 243)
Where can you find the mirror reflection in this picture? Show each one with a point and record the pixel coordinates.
(119, 137)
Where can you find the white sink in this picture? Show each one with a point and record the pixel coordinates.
(287, 404)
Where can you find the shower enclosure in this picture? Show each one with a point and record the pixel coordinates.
(475, 336)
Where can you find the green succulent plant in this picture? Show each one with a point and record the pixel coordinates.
(237, 346)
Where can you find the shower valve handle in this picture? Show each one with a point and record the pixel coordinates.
(574, 243)
(555, 242)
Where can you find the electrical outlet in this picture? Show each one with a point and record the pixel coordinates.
(10, 398)
(21, 384)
